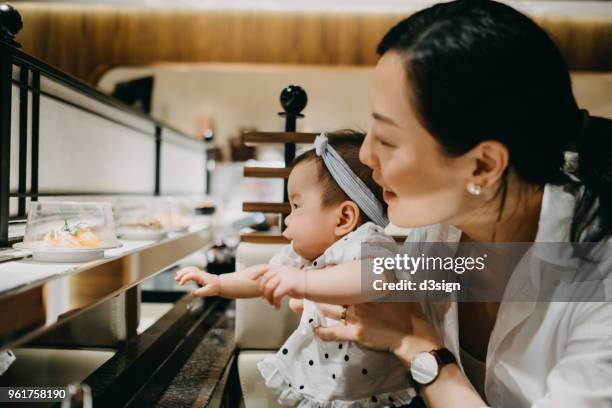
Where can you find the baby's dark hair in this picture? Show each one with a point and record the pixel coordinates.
(347, 143)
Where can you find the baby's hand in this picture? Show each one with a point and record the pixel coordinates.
(297, 305)
(280, 281)
(211, 283)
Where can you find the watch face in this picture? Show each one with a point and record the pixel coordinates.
(424, 368)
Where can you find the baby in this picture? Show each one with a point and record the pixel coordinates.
(335, 207)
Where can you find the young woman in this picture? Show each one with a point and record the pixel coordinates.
(473, 113)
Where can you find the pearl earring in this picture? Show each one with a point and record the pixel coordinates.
(474, 188)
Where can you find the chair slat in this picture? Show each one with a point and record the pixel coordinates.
(267, 172)
(283, 208)
(267, 237)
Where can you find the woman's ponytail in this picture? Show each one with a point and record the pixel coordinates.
(592, 221)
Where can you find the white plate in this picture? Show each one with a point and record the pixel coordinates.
(141, 234)
(184, 228)
(68, 255)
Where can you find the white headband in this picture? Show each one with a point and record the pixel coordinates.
(348, 181)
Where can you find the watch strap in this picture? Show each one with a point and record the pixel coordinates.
(444, 356)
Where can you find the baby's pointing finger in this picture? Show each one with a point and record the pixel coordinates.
(183, 271)
(185, 277)
(194, 276)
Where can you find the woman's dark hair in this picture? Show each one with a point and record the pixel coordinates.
(347, 143)
(480, 70)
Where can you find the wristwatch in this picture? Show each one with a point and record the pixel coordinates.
(425, 365)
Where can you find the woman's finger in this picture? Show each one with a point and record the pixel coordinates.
(269, 289)
(257, 271)
(266, 278)
(263, 280)
(279, 293)
(331, 311)
(336, 333)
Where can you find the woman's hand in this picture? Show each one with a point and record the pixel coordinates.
(211, 284)
(279, 281)
(398, 327)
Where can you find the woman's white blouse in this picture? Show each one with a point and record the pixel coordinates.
(556, 354)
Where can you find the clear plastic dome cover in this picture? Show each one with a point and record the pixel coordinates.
(138, 214)
(70, 225)
(179, 216)
(153, 214)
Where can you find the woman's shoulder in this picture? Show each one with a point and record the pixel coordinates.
(434, 233)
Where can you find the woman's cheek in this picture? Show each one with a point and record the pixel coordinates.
(394, 175)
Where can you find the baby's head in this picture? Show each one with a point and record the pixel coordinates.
(321, 212)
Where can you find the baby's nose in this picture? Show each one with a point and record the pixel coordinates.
(287, 231)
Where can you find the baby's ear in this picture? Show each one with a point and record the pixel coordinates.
(348, 218)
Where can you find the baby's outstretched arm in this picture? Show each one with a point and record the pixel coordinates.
(340, 284)
(233, 285)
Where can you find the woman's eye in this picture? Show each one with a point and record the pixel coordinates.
(383, 142)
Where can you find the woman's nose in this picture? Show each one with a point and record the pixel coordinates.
(366, 152)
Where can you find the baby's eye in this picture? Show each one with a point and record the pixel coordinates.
(294, 206)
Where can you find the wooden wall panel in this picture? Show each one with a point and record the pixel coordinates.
(87, 40)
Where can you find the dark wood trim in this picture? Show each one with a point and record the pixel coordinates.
(267, 172)
(283, 208)
(270, 237)
(274, 237)
(255, 138)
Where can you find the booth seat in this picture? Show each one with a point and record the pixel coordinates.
(260, 329)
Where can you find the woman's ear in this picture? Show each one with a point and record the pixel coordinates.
(348, 218)
(490, 160)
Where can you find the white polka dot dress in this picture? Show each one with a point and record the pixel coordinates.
(308, 372)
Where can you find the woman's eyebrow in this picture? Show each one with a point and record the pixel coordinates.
(381, 118)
